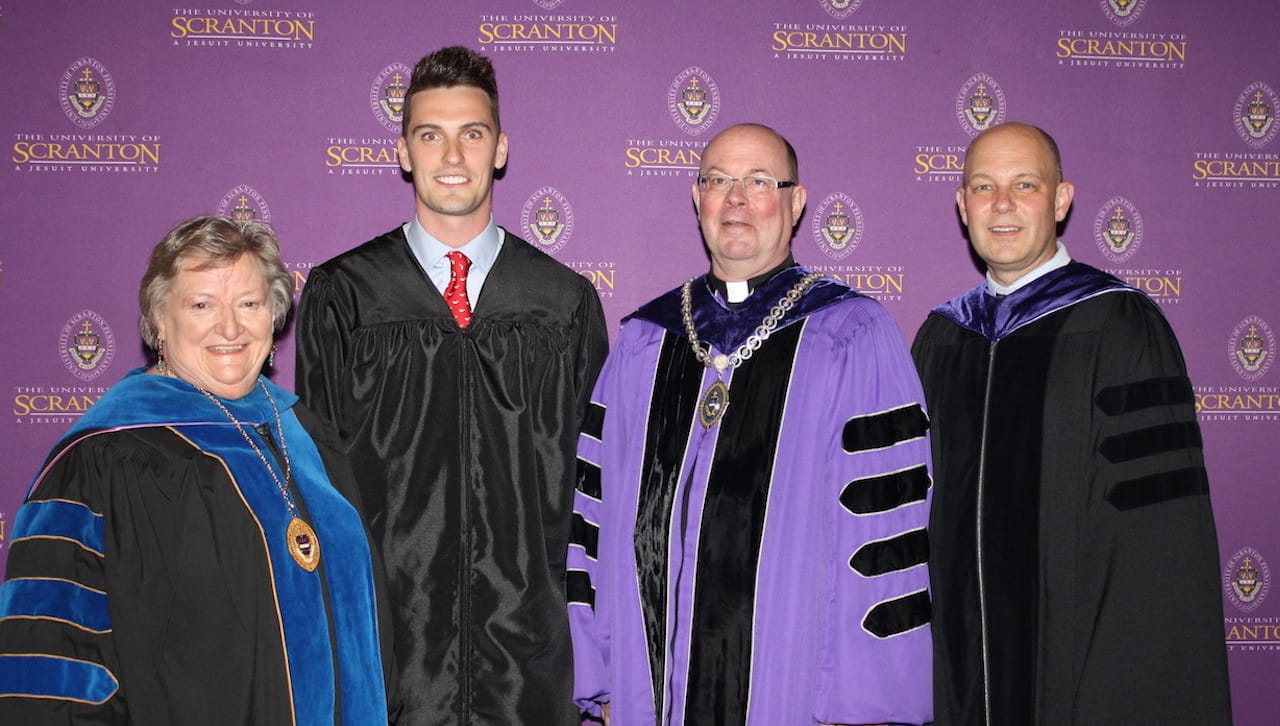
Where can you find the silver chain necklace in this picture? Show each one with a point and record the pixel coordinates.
(716, 399)
(301, 539)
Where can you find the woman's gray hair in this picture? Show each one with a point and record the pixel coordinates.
(222, 241)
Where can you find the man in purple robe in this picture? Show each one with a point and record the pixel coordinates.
(749, 539)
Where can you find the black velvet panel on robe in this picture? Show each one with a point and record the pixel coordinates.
(675, 388)
(733, 514)
(463, 442)
(1078, 534)
(732, 519)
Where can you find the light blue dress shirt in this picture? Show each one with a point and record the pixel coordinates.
(430, 253)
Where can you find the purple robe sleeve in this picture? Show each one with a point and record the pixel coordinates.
(588, 617)
(876, 662)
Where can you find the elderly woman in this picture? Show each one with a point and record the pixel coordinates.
(187, 554)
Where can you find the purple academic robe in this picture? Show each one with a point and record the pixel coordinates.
(770, 568)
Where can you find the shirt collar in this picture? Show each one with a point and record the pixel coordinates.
(733, 293)
(1059, 259)
(482, 250)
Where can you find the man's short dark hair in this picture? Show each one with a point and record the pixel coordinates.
(449, 67)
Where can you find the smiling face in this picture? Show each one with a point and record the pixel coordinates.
(747, 236)
(216, 324)
(452, 149)
(1012, 200)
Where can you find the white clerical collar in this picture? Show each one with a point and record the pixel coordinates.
(1059, 259)
(736, 292)
(482, 250)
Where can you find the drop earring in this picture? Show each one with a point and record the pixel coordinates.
(160, 366)
(271, 357)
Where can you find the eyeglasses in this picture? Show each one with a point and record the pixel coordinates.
(752, 186)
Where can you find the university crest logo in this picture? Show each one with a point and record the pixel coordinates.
(1122, 12)
(693, 101)
(980, 104)
(1255, 114)
(87, 345)
(1117, 229)
(837, 226)
(386, 95)
(840, 9)
(243, 203)
(1252, 348)
(547, 217)
(87, 92)
(1246, 580)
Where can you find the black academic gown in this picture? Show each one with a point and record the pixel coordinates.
(464, 444)
(1074, 562)
(147, 582)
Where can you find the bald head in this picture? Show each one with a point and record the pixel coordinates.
(1013, 198)
(1013, 128)
(741, 131)
(748, 231)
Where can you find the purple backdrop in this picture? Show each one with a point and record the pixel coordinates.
(123, 118)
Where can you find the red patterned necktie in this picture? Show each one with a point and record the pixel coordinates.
(455, 294)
